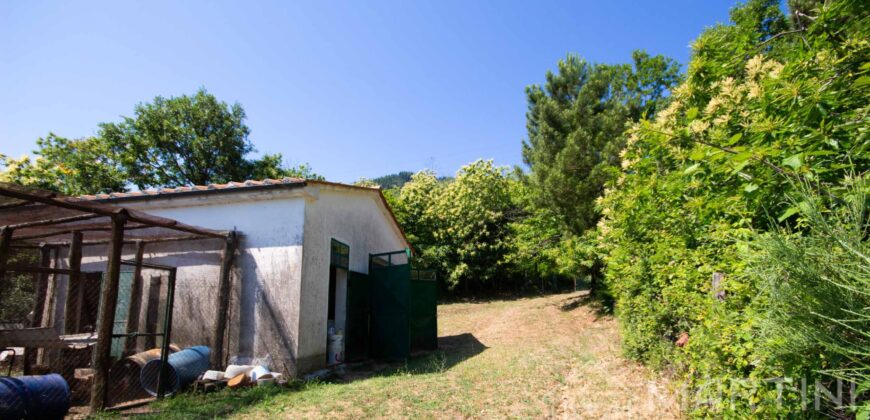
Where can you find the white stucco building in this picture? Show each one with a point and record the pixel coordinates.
(285, 287)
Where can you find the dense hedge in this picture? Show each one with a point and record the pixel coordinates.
(769, 103)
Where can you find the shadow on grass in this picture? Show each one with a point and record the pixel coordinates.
(599, 306)
(451, 351)
(196, 405)
(503, 296)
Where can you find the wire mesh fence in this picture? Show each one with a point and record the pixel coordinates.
(48, 325)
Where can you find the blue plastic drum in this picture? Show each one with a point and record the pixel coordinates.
(184, 367)
(34, 397)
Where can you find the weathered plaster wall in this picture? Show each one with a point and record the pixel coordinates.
(264, 313)
(281, 280)
(357, 218)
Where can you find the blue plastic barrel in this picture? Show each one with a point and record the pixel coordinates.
(11, 399)
(34, 397)
(184, 367)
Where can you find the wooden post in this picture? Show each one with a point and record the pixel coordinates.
(38, 303)
(135, 301)
(223, 299)
(716, 286)
(74, 308)
(108, 301)
(167, 334)
(5, 241)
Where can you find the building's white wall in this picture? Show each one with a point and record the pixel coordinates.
(354, 217)
(281, 280)
(268, 269)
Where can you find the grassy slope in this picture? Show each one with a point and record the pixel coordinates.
(545, 356)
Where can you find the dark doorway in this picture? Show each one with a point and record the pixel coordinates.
(356, 344)
(336, 315)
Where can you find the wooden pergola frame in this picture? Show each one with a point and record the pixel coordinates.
(60, 216)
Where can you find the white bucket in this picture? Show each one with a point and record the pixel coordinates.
(335, 350)
(213, 375)
(236, 370)
(259, 372)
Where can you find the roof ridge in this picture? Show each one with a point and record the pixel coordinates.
(161, 190)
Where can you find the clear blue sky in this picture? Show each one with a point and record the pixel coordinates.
(355, 89)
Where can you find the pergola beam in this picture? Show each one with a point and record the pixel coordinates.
(90, 228)
(52, 199)
(59, 220)
(42, 270)
(147, 240)
(14, 205)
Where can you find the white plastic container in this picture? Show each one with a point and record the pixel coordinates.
(213, 375)
(236, 370)
(259, 372)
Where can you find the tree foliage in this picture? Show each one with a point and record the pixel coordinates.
(460, 226)
(575, 127)
(396, 180)
(181, 141)
(765, 106)
(185, 140)
(72, 167)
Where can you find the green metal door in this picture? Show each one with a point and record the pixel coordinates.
(390, 311)
(424, 316)
(356, 345)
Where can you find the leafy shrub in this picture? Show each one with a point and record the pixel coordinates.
(818, 287)
(766, 102)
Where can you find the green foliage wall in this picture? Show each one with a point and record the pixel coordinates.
(460, 226)
(765, 106)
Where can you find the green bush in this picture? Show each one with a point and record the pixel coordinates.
(817, 283)
(767, 102)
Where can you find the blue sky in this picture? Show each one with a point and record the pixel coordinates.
(355, 89)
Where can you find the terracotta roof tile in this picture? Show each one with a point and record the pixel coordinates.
(182, 189)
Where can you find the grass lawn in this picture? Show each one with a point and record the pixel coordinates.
(531, 357)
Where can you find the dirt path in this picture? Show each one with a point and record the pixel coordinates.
(579, 368)
(542, 357)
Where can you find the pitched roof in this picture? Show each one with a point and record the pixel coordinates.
(240, 186)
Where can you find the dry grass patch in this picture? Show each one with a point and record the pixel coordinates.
(550, 356)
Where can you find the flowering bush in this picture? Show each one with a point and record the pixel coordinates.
(765, 105)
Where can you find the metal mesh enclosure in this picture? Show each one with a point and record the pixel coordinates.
(48, 325)
(79, 324)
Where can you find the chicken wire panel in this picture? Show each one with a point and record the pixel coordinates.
(47, 324)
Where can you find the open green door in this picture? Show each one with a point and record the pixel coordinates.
(356, 345)
(390, 311)
(424, 310)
